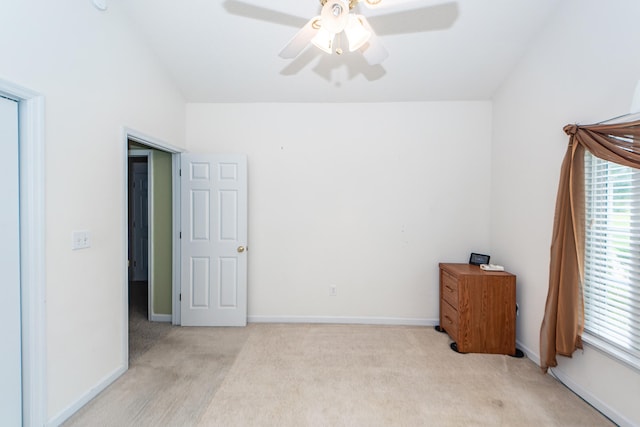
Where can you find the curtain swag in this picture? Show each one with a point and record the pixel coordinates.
(563, 321)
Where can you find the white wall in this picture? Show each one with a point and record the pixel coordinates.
(582, 68)
(96, 78)
(368, 197)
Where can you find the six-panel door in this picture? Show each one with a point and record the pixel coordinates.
(214, 238)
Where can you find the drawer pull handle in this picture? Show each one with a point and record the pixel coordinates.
(449, 288)
(448, 318)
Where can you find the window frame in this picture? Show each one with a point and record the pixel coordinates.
(609, 347)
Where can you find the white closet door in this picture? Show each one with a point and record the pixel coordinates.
(11, 355)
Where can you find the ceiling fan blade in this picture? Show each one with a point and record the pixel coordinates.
(301, 40)
(246, 10)
(373, 50)
(402, 4)
(428, 18)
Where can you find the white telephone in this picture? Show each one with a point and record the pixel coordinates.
(491, 267)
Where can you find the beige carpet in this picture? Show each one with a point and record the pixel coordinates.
(142, 333)
(329, 375)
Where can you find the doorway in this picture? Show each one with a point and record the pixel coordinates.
(142, 335)
(150, 246)
(31, 254)
(220, 279)
(10, 322)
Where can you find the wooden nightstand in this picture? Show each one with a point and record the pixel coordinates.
(478, 309)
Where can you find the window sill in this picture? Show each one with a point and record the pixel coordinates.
(611, 351)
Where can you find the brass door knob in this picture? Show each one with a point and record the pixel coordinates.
(240, 249)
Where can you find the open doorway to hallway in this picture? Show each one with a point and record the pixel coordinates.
(149, 178)
(10, 320)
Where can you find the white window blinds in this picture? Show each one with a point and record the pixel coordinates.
(612, 255)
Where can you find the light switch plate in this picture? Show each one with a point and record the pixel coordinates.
(80, 239)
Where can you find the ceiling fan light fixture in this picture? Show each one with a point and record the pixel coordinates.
(335, 15)
(356, 34)
(324, 40)
(335, 18)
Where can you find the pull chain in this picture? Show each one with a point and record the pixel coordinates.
(339, 48)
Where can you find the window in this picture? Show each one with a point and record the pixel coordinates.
(612, 258)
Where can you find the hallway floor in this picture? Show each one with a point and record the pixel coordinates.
(142, 333)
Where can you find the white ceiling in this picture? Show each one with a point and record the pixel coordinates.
(227, 50)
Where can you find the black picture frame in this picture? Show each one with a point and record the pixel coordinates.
(477, 259)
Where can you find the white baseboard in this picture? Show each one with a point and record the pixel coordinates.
(605, 409)
(161, 318)
(93, 392)
(345, 320)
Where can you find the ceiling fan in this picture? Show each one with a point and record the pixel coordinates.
(335, 19)
(339, 27)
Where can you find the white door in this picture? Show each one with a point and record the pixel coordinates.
(140, 225)
(11, 354)
(214, 240)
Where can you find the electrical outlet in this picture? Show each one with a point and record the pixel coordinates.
(333, 290)
(80, 239)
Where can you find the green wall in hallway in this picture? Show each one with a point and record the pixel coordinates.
(162, 226)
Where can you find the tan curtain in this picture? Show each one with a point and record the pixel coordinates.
(563, 320)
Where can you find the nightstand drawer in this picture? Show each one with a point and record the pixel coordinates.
(450, 289)
(449, 320)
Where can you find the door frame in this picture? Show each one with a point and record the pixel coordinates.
(129, 134)
(137, 152)
(31, 122)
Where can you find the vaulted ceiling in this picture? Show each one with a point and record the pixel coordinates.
(227, 50)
